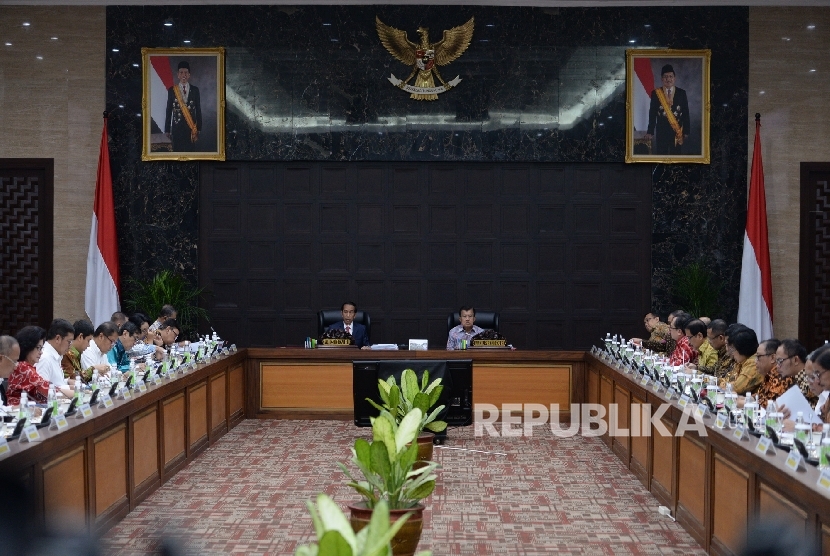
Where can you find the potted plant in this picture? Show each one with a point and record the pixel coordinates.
(399, 401)
(386, 465)
(335, 536)
(167, 288)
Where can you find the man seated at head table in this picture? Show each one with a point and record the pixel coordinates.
(71, 361)
(95, 355)
(696, 333)
(9, 354)
(464, 331)
(742, 343)
(791, 358)
(59, 338)
(683, 351)
(144, 345)
(716, 338)
(348, 310)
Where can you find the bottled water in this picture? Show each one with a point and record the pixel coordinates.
(824, 454)
(78, 389)
(24, 402)
(94, 383)
(53, 399)
(750, 407)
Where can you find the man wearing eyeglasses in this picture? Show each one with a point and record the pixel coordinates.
(58, 339)
(716, 337)
(774, 384)
(791, 356)
(95, 355)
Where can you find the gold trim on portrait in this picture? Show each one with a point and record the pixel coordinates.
(631, 141)
(162, 151)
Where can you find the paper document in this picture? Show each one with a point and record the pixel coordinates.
(385, 346)
(795, 402)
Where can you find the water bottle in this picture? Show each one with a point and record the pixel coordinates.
(824, 454)
(802, 429)
(24, 402)
(750, 407)
(52, 400)
(94, 383)
(78, 390)
(771, 417)
(30, 411)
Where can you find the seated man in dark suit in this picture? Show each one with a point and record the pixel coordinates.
(358, 331)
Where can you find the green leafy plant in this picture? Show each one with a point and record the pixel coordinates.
(399, 401)
(167, 288)
(696, 290)
(386, 464)
(336, 538)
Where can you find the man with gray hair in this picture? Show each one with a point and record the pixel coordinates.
(9, 354)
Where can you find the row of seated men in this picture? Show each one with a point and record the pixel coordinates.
(733, 354)
(35, 359)
(463, 332)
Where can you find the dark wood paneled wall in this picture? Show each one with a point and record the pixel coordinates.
(563, 252)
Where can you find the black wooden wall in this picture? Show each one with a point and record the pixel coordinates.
(562, 251)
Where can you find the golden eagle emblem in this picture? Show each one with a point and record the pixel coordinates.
(425, 56)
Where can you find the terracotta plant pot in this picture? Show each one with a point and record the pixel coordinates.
(405, 542)
(425, 446)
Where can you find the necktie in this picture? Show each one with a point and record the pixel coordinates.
(348, 328)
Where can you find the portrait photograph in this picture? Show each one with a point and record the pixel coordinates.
(183, 104)
(667, 106)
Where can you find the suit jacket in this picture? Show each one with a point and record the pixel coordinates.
(358, 333)
(174, 122)
(657, 121)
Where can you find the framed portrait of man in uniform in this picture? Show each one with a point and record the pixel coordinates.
(183, 104)
(667, 106)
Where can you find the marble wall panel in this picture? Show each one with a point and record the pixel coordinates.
(310, 83)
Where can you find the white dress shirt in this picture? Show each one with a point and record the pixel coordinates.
(49, 366)
(93, 356)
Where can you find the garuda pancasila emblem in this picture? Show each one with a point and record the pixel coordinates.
(425, 57)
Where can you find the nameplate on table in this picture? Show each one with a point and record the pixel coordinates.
(645, 380)
(671, 393)
(795, 461)
(157, 379)
(140, 386)
(488, 343)
(4, 447)
(765, 446)
(721, 420)
(124, 393)
(58, 423)
(656, 386)
(105, 402)
(701, 411)
(84, 412)
(740, 433)
(29, 434)
(342, 342)
(683, 401)
(824, 480)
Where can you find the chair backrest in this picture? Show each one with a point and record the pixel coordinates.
(484, 319)
(327, 317)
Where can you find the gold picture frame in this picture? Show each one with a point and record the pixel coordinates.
(169, 132)
(685, 135)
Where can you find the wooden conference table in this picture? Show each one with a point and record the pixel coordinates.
(102, 467)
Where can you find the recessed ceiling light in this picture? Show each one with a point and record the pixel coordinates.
(54, 38)
(490, 25)
(811, 27)
(135, 65)
(186, 42)
(26, 24)
(725, 104)
(761, 92)
(334, 40)
(484, 40)
(115, 50)
(39, 57)
(632, 41)
(8, 44)
(812, 71)
(326, 24)
(138, 115)
(647, 26)
(168, 23)
(601, 124)
(786, 39)
(120, 106)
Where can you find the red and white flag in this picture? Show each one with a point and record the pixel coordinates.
(755, 301)
(643, 86)
(102, 276)
(161, 79)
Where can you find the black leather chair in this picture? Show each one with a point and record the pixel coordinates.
(327, 317)
(484, 319)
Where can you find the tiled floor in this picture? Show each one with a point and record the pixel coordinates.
(536, 495)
